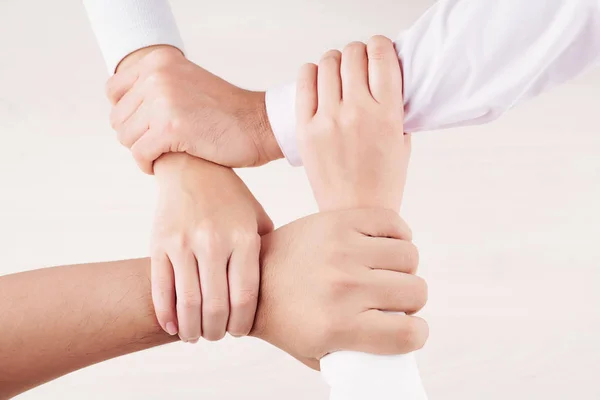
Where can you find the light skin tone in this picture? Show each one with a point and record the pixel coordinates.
(350, 130)
(205, 248)
(350, 127)
(61, 319)
(165, 103)
(206, 233)
(205, 269)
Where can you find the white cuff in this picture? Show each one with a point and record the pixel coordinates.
(466, 62)
(281, 111)
(124, 26)
(359, 376)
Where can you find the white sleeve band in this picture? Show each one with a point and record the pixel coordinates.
(124, 26)
(467, 62)
(358, 376)
(361, 376)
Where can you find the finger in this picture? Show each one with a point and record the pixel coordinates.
(244, 279)
(378, 332)
(385, 77)
(390, 254)
(394, 291)
(379, 222)
(212, 265)
(125, 108)
(163, 292)
(306, 93)
(120, 83)
(189, 298)
(148, 148)
(134, 127)
(329, 80)
(354, 71)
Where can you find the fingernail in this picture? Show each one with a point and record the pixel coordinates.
(194, 341)
(171, 329)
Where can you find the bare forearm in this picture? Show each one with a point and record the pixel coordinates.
(58, 320)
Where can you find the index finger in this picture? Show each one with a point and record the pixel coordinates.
(385, 76)
(121, 83)
(306, 93)
(380, 222)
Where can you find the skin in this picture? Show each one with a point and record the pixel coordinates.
(350, 127)
(206, 233)
(61, 319)
(205, 248)
(164, 103)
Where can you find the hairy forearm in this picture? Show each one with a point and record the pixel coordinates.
(57, 320)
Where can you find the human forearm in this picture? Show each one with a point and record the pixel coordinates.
(58, 320)
(356, 154)
(466, 62)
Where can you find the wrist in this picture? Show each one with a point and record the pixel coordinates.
(174, 170)
(139, 54)
(262, 132)
(172, 167)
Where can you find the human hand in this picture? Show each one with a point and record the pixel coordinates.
(163, 103)
(350, 127)
(325, 277)
(205, 249)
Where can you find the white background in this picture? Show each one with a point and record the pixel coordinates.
(506, 216)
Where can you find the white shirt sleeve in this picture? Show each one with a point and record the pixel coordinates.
(124, 26)
(360, 376)
(467, 62)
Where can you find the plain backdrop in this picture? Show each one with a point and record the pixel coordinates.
(505, 216)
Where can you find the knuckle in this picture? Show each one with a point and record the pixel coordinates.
(244, 298)
(403, 227)
(180, 242)
(342, 284)
(160, 85)
(352, 118)
(388, 215)
(378, 47)
(161, 58)
(161, 299)
(327, 126)
(411, 257)
(175, 124)
(209, 240)
(216, 307)
(162, 287)
(420, 294)
(189, 300)
(116, 121)
(124, 138)
(414, 335)
(139, 154)
(156, 78)
(110, 89)
(246, 236)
